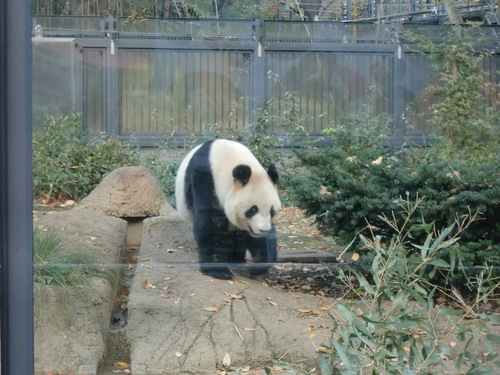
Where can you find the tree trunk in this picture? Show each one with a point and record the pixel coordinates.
(453, 12)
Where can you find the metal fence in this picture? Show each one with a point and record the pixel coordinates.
(149, 78)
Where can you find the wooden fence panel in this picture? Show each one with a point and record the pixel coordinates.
(180, 91)
(94, 90)
(324, 86)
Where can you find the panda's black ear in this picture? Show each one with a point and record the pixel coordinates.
(273, 173)
(242, 173)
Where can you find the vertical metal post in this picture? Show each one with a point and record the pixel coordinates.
(112, 109)
(16, 280)
(258, 77)
(400, 99)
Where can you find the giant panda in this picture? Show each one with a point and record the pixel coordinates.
(231, 201)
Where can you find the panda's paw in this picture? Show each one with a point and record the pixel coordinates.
(220, 272)
(258, 269)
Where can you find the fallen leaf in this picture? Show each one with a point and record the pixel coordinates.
(249, 329)
(355, 257)
(234, 296)
(121, 364)
(312, 335)
(453, 344)
(64, 336)
(320, 302)
(148, 285)
(442, 299)
(378, 161)
(226, 361)
(211, 309)
(178, 354)
(271, 302)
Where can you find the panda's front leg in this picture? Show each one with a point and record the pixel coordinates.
(205, 234)
(263, 250)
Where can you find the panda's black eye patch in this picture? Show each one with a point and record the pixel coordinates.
(251, 212)
(273, 213)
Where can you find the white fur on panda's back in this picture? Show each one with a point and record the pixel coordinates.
(180, 193)
(225, 155)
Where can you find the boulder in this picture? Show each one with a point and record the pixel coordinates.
(127, 192)
(72, 321)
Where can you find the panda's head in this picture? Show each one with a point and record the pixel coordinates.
(253, 202)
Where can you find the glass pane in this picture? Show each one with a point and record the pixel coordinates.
(94, 88)
(53, 78)
(327, 85)
(147, 265)
(177, 91)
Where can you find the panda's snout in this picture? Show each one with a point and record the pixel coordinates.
(259, 232)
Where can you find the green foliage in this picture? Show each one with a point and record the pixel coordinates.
(356, 191)
(359, 181)
(52, 265)
(165, 171)
(361, 131)
(68, 162)
(466, 127)
(240, 9)
(393, 325)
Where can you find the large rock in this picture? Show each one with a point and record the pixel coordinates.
(127, 192)
(183, 322)
(72, 321)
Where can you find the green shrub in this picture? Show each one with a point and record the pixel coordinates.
(466, 128)
(356, 192)
(358, 180)
(68, 162)
(164, 171)
(394, 326)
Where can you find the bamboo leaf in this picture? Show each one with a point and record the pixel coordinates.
(324, 364)
(440, 238)
(439, 263)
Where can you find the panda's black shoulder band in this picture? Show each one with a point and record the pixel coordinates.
(242, 173)
(273, 173)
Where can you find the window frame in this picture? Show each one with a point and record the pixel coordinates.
(16, 280)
